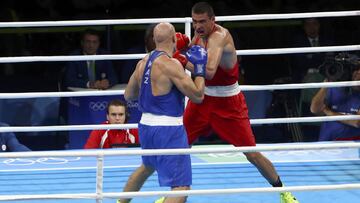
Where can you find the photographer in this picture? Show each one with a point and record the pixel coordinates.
(339, 100)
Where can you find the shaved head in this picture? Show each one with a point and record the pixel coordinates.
(164, 32)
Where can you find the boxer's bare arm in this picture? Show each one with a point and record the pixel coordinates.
(133, 86)
(215, 48)
(192, 89)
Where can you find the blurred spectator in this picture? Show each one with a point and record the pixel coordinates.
(263, 6)
(91, 9)
(304, 63)
(48, 8)
(149, 38)
(134, 45)
(9, 142)
(129, 66)
(116, 113)
(13, 43)
(304, 68)
(339, 101)
(90, 74)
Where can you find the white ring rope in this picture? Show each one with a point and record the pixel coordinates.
(181, 192)
(28, 95)
(132, 126)
(288, 16)
(115, 92)
(298, 86)
(233, 191)
(99, 178)
(304, 119)
(150, 152)
(19, 59)
(179, 20)
(297, 50)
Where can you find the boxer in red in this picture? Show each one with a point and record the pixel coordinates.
(223, 109)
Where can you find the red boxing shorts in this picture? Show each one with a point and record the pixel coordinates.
(226, 116)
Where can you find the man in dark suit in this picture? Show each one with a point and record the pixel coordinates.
(90, 74)
(302, 63)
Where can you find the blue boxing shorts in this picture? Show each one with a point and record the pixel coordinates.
(173, 170)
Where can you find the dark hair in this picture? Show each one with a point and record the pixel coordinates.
(118, 102)
(90, 31)
(203, 7)
(307, 20)
(149, 38)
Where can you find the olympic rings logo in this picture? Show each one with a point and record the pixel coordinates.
(98, 106)
(42, 160)
(132, 104)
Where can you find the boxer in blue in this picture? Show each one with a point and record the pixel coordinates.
(160, 83)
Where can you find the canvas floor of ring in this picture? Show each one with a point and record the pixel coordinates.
(61, 175)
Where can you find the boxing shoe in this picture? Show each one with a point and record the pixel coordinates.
(287, 197)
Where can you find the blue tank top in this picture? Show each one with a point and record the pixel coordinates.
(170, 104)
(340, 101)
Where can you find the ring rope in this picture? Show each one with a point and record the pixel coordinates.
(151, 152)
(297, 50)
(232, 191)
(49, 196)
(115, 92)
(135, 125)
(288, 15)
(182, 192)
(27, 95)
(304, 119)
(19, 59)
(99, 178)
(179, 20)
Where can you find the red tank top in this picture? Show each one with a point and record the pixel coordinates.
(222, 77)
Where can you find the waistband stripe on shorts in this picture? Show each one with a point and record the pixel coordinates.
(157, 120)
(222, 91)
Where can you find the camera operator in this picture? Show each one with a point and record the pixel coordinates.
(339, 100)
(304, 69)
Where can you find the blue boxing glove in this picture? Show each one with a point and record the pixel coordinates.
(197, 55)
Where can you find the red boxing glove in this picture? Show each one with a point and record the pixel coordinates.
(183, 60)
(182, 41)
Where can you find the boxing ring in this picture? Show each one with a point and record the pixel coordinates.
(314, 172)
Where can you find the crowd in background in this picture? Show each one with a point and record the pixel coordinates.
(118, 39)
(128, 39)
